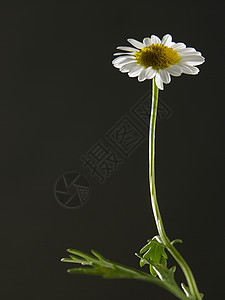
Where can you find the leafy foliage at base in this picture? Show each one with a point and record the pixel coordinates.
(98, 265)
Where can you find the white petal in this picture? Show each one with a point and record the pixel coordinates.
(183, 54)
(147, 41)
(122, 58)
(123, 63)
(166, 40)
(124, 48)
(165, 76)
(194, 70)
(142, 76)
(135, 71)
(155, 39)
(158, 81)
(128, 67)
(187, 50)
(193, 60)
(178, 46)
(136, 44)
(150, 73)
(186, 69)
(119, 65)
(124, 53)
(174, 70)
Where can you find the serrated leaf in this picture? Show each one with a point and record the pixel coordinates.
(155, 252)
(165, 275)
(162, 271)
(100, 266)
(104, 267)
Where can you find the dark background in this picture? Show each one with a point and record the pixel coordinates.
(59, 95)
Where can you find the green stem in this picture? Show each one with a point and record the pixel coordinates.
(182, 263)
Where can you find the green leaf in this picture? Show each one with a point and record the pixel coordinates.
(165, 275)
(99, 266)
(154, 252)
(162, 271)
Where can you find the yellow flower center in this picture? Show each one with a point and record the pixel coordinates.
(157, 56)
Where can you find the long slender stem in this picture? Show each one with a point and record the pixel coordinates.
(184, 266)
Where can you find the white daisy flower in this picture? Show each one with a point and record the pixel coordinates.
(157, 58)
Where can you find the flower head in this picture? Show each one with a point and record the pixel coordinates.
(157, 58)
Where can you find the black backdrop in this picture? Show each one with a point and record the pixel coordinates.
(59, 96)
